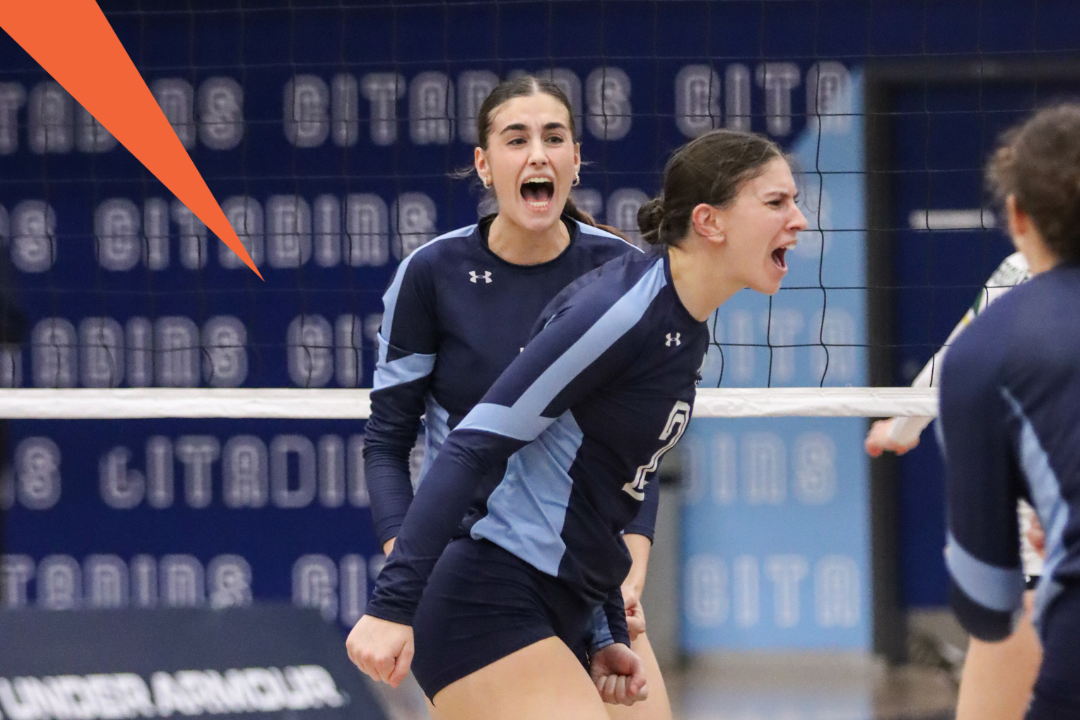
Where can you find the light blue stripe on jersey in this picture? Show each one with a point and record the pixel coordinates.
(588, 229)
(600, 635)
(993, 587)
(1053, 512)
(527, 509)
(404, 369)
(391, 296)
(436, 428)
(523, 420)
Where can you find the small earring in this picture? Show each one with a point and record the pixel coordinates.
(486, 182)
(577, 180)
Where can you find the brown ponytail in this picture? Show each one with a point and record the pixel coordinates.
(571, 210)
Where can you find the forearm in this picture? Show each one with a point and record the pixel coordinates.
(639, 546)
(386, 470)
(906, 430)
(389, 438)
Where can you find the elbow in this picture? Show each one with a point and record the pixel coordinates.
(984, 623)
(380, 450)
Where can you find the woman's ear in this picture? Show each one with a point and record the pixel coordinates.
(708, 222)
(480, 162)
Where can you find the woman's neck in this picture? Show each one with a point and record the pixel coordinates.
(700, 282)
(516, 245)
(1039, 257)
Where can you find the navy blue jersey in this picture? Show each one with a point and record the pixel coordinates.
(1010, 426)
(456, 315)
(575, 428)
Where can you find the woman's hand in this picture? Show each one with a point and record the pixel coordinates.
(619, 675)
(381, 649)
(635, 615)
(878, 440)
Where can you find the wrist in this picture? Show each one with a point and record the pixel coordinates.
(596, 647)
(401, 616)
(634, 585)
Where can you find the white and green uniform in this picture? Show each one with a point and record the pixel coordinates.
(1012, 271)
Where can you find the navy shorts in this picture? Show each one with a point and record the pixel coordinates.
(483, 603)
(1057, 689)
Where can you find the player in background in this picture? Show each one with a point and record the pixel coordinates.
(576, 425)
(997, 678)
(1010, 415)
(460, 309)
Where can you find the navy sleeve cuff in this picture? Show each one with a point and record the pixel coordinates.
(609, 623)
(401, 618)
(985, 624)
(641, 529)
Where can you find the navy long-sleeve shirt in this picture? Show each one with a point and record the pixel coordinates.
(574, 429)
(1010, 427)
(456, 315)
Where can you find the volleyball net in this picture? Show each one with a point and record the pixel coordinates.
(321, 404)
(159, 392)
(330, 134)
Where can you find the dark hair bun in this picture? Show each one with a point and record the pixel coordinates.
(709, 169)
(649, 217)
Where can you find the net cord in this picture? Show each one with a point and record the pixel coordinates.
(355, 404)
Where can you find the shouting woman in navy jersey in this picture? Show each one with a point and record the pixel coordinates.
(461, 308)
(573, 430)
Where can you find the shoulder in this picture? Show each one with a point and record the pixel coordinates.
(601, 242)
(1041, 319)
(439, 249)
(418, 272)
(1010, 314)
(623, 287)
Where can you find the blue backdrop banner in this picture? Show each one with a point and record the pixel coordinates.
(329, 135)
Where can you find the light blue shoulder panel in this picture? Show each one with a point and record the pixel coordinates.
(588, 229)
(523, 420)
(417, 365)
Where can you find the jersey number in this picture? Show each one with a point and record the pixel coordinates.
(673, 430)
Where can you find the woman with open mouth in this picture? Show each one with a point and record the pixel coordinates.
(460, 309)
(571, 432)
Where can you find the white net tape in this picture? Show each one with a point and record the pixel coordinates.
(316, 404)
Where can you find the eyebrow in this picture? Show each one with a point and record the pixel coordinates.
(783, 194)
(520, 127)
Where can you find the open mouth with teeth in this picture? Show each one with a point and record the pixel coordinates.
(778, 257)
(538, 192)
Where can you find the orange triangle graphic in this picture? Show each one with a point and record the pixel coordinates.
(73, 42)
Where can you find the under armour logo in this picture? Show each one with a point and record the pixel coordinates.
(474, 276)
(673, 339)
